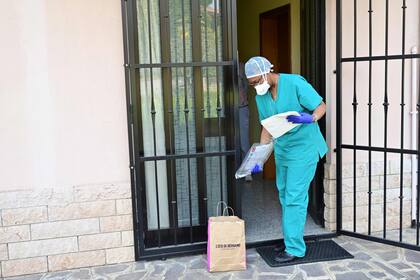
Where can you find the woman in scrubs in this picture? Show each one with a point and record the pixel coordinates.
(296, 152)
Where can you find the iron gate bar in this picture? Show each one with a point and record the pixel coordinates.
(130, 39)
(383, 57)
(173, 194)
(208, 105)
(354, 104)
(370, 123)
(181, 64)
(379, 149)
(200, 247)
(218, 108)
(137, 128)
(177, 70)
(183, 238)
(380, 240)
(153, 113)
(402, 119)
(385, 104)
(338, 116)
(205, 198)
(177, 94)
(128, 74)
(169, 115)
(186, 113)
(140, 173)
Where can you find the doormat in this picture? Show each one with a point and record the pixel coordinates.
(316, 251)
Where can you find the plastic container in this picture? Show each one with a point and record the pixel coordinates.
(254, 159)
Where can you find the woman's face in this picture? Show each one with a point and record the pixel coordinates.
(260, 83)
(258, 80)
(255, 80)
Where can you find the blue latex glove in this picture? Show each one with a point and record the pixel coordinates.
(257, 168)
(303, 118)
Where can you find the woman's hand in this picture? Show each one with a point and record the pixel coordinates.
(257, 168)
(303, 118)
(318, 113)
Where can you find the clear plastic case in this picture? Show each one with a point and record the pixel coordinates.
(257, 155)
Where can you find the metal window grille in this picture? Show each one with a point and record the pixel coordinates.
(358, 61)
(180, 68)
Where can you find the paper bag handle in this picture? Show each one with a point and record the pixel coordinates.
(217, 207)
(227, 208)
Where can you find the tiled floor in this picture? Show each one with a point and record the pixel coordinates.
(262, 214)
(372, 261)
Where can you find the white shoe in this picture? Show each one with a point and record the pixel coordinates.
(248, 178)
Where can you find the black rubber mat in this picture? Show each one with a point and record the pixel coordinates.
(316, 251)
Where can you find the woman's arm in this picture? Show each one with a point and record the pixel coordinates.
(319, 112)
(265, 136)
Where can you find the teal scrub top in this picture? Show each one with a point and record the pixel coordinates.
(304, 144)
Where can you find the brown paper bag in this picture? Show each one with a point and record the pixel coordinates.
(226, 244)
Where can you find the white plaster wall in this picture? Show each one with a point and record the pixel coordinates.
(394, 74)
(62, 94)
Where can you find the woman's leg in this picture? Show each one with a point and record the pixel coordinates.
(295, 207)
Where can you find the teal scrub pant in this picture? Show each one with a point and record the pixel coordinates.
(293, 184)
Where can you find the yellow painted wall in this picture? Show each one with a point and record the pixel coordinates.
(249, 38)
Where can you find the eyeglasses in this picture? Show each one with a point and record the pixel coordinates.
(256, 82)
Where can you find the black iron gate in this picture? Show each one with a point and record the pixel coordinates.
(180, 81)
(375, 198)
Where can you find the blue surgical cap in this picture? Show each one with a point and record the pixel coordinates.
(257, 66)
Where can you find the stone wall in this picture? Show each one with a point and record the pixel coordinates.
(377, 197)
(56, 229)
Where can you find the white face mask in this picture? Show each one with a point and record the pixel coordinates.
(262, 89)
